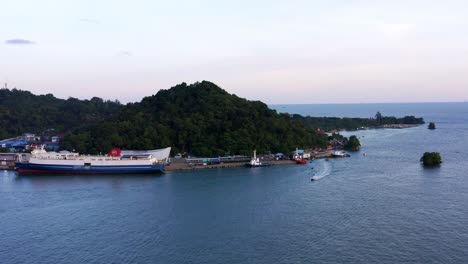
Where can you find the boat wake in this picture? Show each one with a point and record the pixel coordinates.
(322, 169)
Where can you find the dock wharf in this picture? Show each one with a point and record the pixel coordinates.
(7, 161)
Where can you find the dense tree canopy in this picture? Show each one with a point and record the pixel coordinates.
(430, 159)
(200, 119)
(353, 144)
(22, 111)
(334, 123)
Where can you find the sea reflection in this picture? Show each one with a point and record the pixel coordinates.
(44, 181)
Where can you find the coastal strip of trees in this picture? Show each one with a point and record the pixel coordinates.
(346, 123)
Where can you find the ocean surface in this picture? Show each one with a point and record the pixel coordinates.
(379, 208)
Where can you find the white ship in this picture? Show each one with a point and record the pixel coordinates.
(125, 162)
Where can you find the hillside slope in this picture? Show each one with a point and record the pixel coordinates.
(201, 119)
(22, 111)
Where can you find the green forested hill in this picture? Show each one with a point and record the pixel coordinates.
(22, 111)
(201, 119)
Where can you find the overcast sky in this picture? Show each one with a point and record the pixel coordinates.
(334, 51)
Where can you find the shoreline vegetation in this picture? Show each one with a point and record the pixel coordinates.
(333, 124)
(431, 159)
(200, 119)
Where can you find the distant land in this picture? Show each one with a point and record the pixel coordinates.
(199, 119)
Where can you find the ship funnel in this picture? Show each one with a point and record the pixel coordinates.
(114, 152)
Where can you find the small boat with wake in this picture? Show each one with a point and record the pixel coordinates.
(339, 154)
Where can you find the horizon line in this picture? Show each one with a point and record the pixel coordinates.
(272, 104)
(426, 102)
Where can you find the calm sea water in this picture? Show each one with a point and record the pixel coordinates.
(379, 208)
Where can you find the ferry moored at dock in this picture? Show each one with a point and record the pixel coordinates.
(117, 162)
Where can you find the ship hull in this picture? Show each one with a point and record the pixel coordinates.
(27, 168)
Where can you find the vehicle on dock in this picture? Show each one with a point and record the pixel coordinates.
(116, 162)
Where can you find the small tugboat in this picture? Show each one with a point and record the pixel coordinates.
(301, 161)
(315, 178)
(255, 162)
